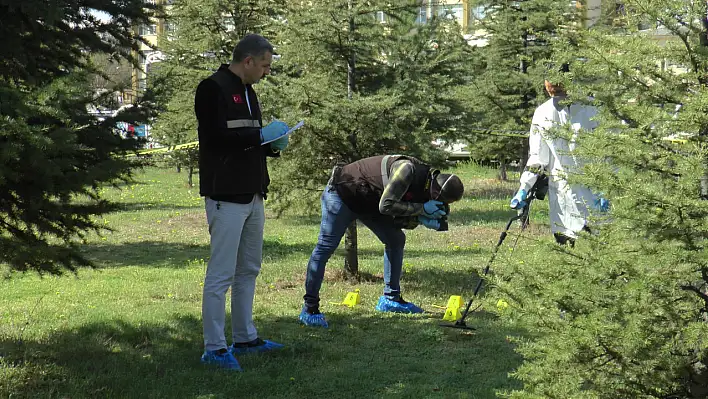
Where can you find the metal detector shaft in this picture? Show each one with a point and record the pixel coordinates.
(537, 191)
(523, 215)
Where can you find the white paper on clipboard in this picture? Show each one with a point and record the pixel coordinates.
(292, 129)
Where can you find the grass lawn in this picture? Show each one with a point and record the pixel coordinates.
(132, 327)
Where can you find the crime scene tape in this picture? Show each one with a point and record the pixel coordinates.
(491, 132)
(171, 148)
(523, 134)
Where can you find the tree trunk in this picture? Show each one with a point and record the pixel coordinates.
(704, 80)
(526, 101)
(190, 174)
(351, 61)
(351, 256)
(502, 171)
(524, 155)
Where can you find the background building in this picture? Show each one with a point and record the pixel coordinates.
(150, 53)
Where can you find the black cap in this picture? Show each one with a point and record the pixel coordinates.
(447, 188)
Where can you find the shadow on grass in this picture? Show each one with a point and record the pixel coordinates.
(121, 184)
(175, 255)
(145, 206)
(409, 253)
(145, 253)
(360, 355)
(433, 282)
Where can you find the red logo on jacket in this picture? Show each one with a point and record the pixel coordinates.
(238, 99)
(408, 196)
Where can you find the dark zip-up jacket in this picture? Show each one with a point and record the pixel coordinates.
(232, 163)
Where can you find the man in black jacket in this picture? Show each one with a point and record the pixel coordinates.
(387, 193)
(234, 181)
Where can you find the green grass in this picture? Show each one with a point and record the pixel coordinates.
(131, 328)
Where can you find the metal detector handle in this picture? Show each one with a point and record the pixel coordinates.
(540, 187)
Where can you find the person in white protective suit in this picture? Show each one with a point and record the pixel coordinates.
(553, 156)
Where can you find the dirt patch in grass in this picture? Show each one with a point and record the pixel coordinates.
(337, 275)
(490, 189)
(191, 220)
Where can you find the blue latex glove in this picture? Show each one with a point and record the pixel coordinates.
(433, 209)
(274, 130)
(280, 144)
(432, 224)
(519, 200)
(602, 204)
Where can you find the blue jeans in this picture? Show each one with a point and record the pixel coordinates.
(336, 217)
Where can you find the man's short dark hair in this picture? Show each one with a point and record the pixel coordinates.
(252, 45)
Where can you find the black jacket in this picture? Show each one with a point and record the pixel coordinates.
(232, 163)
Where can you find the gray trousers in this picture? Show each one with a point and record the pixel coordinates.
(236, 232)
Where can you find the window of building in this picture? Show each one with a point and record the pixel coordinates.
(478, 12)
(451, 11)
(381, 16)
(422, 15)
(229, 24)
(147, 30)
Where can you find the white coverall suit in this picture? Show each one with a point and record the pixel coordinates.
(568, 204)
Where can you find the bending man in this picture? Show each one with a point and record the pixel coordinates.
(387, 193)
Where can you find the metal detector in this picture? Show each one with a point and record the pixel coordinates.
(538, 191)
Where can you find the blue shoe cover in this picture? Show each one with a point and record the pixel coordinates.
(396, 306)
(222, 358)
(313, 320)
(257, 345)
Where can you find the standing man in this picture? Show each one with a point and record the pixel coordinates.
(387, 193)
(553, 156)
(234, 181)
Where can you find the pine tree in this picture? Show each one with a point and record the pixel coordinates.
(204, 35)
(509, 72)
(624, 314)
(55, 155)
(368, 80)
